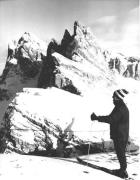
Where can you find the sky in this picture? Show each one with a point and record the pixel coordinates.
(115, 23)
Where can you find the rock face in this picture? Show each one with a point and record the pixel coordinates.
(125, 66)
(22, 67)
(133, 69)
(117, 62)
(27, 53)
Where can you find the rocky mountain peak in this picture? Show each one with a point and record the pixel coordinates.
(83, 33)
(23, 63)
(28, 37)
(24, 56)
(78, 27)
(29, 46)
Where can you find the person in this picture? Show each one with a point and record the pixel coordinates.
(119, 128)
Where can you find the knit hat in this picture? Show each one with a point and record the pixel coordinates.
(121, 93)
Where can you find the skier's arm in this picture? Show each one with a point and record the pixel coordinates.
(112, 118)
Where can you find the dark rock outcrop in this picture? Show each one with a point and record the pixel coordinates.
(133, 69)
(117, 62)
(47, 75)
(125, 66)
(66, 40)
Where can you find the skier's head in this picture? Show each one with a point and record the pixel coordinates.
(119, 95)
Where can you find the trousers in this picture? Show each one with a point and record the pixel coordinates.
(120, 148)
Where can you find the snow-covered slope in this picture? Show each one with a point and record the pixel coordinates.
(46, 119)
(34, 167)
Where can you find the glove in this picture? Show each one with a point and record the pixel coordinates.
(93, 116)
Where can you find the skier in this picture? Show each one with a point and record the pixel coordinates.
(119, 129)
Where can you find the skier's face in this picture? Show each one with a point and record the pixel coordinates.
(116, 100)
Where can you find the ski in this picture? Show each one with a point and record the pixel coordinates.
(81, 161)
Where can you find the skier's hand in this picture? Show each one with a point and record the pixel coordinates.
(93, 116)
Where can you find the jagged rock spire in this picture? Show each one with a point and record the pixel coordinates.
(76, 23)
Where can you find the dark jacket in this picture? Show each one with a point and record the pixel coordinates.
(119, 122)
